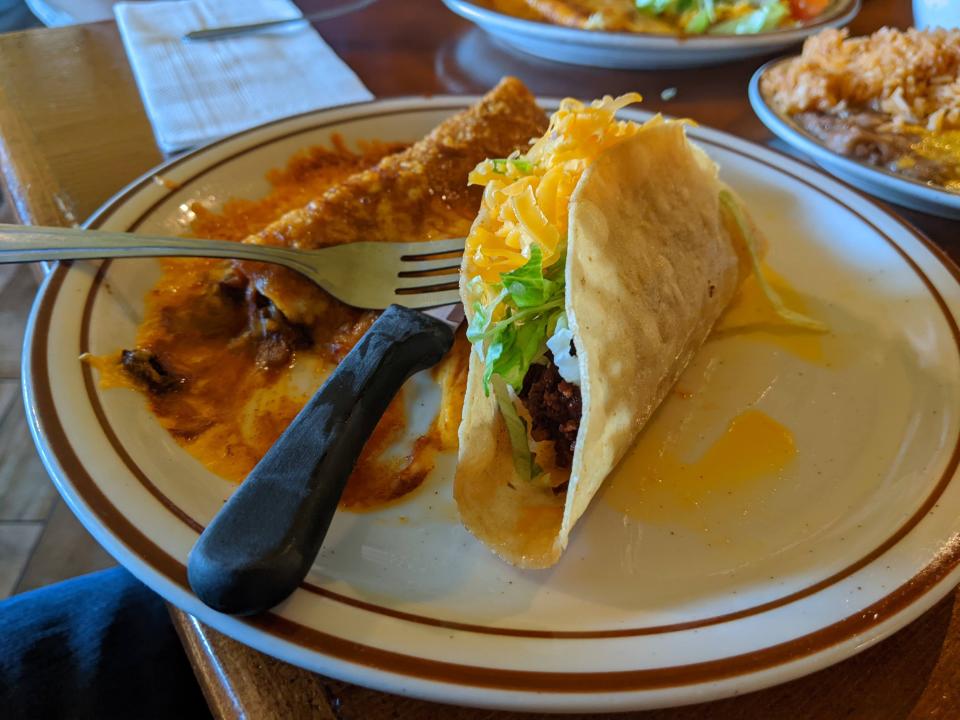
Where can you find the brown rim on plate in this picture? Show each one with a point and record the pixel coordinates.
(840, 9)
(48, 421)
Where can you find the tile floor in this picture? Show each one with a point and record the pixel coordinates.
(40, 540)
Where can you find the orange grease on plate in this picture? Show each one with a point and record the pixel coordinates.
(657, 481)
(667, 473)
(111, 375)
(376, 481)
(751, 313)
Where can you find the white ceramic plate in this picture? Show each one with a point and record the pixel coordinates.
(639, 51)
(876, 181)
(855, 537)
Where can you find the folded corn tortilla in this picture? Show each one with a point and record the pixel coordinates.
(651, 264)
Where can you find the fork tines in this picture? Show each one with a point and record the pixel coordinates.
(442, 259)
(428, 272)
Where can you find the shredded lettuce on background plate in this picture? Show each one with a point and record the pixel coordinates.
(719, 17)
(766, 17)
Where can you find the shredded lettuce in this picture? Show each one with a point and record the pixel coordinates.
(659, 7)
(696, 17)
(523, 460)
(702, 19)
(730, 204)
(511, 330)
(766, 17)
(698, 23)
(521, 164)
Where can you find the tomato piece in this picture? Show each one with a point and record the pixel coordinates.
(807, 9)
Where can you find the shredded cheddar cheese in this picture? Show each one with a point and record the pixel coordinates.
(526, 197)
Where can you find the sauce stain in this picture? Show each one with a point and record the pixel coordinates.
(657, 483)
(750, 313)
(110, 374)
(668, 477)
(230, 408)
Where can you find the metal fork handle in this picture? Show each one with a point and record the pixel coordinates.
(24, 244)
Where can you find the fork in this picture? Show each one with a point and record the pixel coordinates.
(369, 275)
(263, 541)
(228, 31)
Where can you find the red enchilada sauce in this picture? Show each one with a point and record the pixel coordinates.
(224, 392)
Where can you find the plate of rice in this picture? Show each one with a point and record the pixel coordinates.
(881, 112)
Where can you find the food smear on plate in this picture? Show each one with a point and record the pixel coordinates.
(669, 17)
(228, 352)
(750, 314)
(658, 482)
(694, 468)
(891, 100)
(598, 265)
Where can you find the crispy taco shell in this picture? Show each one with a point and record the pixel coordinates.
(650, 267)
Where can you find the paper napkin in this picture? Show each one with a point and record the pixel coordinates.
(197, 91)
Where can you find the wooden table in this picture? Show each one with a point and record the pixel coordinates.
(73, 131)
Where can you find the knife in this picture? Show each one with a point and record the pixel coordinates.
(261, 544)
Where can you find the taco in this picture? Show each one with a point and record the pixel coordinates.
(595, 270)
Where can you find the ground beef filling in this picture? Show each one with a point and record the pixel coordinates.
(147, 370)
(554, 406)
(247, 314)
(276, 337)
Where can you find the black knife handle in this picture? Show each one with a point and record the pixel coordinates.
(263, 541)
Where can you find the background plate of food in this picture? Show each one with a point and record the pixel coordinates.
(652, 33)
(881, 112)
(792, 501)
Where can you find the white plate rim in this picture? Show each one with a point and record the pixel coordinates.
(942, 575)
(800, 139)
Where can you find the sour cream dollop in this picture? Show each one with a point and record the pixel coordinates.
(561, 345)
